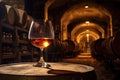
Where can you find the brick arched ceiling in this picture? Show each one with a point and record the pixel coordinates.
(62, 11)
(59, 7)
(78, 14)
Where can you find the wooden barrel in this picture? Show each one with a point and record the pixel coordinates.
(58, 71)
(28, 22)
(115, 43)
(68, 46)
(97, 49)
(59, 49)
(77, 47)
(3, 11)
(106, 48)
(54, 51)
(22, 18)
(56, 46)
(65, 46)
(8, 14)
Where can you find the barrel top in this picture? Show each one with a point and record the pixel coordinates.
(29, 70)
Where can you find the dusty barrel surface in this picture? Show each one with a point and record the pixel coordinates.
(8, 14)
(59, 71)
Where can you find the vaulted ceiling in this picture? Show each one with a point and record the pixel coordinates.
(71, 15)
(59, 7)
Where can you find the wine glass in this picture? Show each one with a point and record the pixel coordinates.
(41, 35)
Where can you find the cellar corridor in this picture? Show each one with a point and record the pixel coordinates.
(85, 32)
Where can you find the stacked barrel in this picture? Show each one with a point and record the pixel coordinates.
(14, 16)
(60, 49)
(65, 46)
(106, 48)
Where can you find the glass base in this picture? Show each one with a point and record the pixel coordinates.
(42, 64)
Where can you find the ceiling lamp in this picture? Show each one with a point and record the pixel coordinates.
(87, 22)
(86, 6)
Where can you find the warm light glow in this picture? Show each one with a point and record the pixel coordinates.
(46, 44)
(87, 22)
(85, 33)
(87, 37)
(86, 6)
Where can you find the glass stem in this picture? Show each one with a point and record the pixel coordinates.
(41, 58)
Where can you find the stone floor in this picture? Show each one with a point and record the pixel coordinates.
(102, 72)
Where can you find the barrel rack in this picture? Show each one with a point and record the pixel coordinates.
(14, 44)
